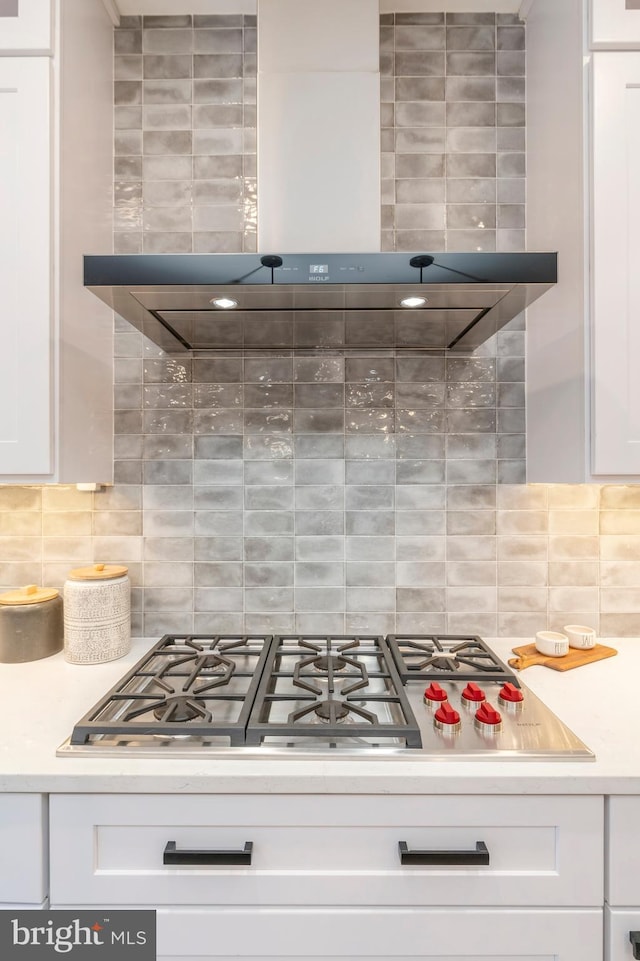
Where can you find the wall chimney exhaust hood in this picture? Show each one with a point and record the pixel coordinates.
(321, 281)
(315, 301)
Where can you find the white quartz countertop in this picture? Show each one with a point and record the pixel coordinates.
(42, 700)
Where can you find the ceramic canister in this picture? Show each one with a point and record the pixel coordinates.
(30, 624)
(97, 614)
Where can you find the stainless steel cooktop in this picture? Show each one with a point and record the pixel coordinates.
(403, 696)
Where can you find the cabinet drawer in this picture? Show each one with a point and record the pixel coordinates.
(326, 850)
(28, 28)
(380, 934)
(623, 855)
(23, 840)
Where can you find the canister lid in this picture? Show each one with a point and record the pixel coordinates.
(31, 594)
(97, 572)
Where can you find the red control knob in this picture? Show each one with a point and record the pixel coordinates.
(447, 717)
(473, 693)
(435, 693)
(510, 693)
(488, 716)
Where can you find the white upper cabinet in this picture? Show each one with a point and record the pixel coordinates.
(615, 24)
(583, 339)
(25, 257)
(56, 182)
(26, 27)
(615, 221)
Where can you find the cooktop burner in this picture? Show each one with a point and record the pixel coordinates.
(222, 695)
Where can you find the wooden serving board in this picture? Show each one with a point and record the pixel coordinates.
(528, 656)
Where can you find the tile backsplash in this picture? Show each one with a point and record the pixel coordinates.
(453, 131)
(373, 491)
(185, 134)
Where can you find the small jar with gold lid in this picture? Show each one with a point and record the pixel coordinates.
(31, 624)
(97, 614)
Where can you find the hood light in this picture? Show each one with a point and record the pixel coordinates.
(413, 302)
(225, 303)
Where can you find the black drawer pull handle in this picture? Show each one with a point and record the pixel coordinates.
(634, 937)
(173, 856)
(479, 856)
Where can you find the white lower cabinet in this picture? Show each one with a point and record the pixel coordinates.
(23, 842)
(619, 924)
(326, 877)
(622, 889)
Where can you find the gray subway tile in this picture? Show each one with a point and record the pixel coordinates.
(206, 66)
(470, 88)
(268, 548)
(470, 65)
(221, 523)
(172, 21)
(510, 64)
(422, 88)
(227, 40)
(268, 575)
(310, 421)
(258, 523)
(370, 472)
(166, 67)
(370, 599)
(475, 165)
(410, 497)
(319, 446)
(268, 498)
(218, 498)
(319, 522)
(420, 472)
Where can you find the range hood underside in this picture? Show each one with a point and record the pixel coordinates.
(319, 301)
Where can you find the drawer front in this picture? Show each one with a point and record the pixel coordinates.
(623, 854)
(23, 842)
(380, 934)
(327, 850)
(28, 28)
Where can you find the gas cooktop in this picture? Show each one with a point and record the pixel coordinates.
(401, 696)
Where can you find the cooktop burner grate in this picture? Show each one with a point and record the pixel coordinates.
(186, 685)
(347, 684)
(447, 658)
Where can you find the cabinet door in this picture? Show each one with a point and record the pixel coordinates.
(623, 851)
(615, 24)
(25, 266)
(616, 255)
(23, 839)
(618, 925)
(26, 26)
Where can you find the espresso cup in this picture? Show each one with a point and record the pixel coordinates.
(580, 636)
